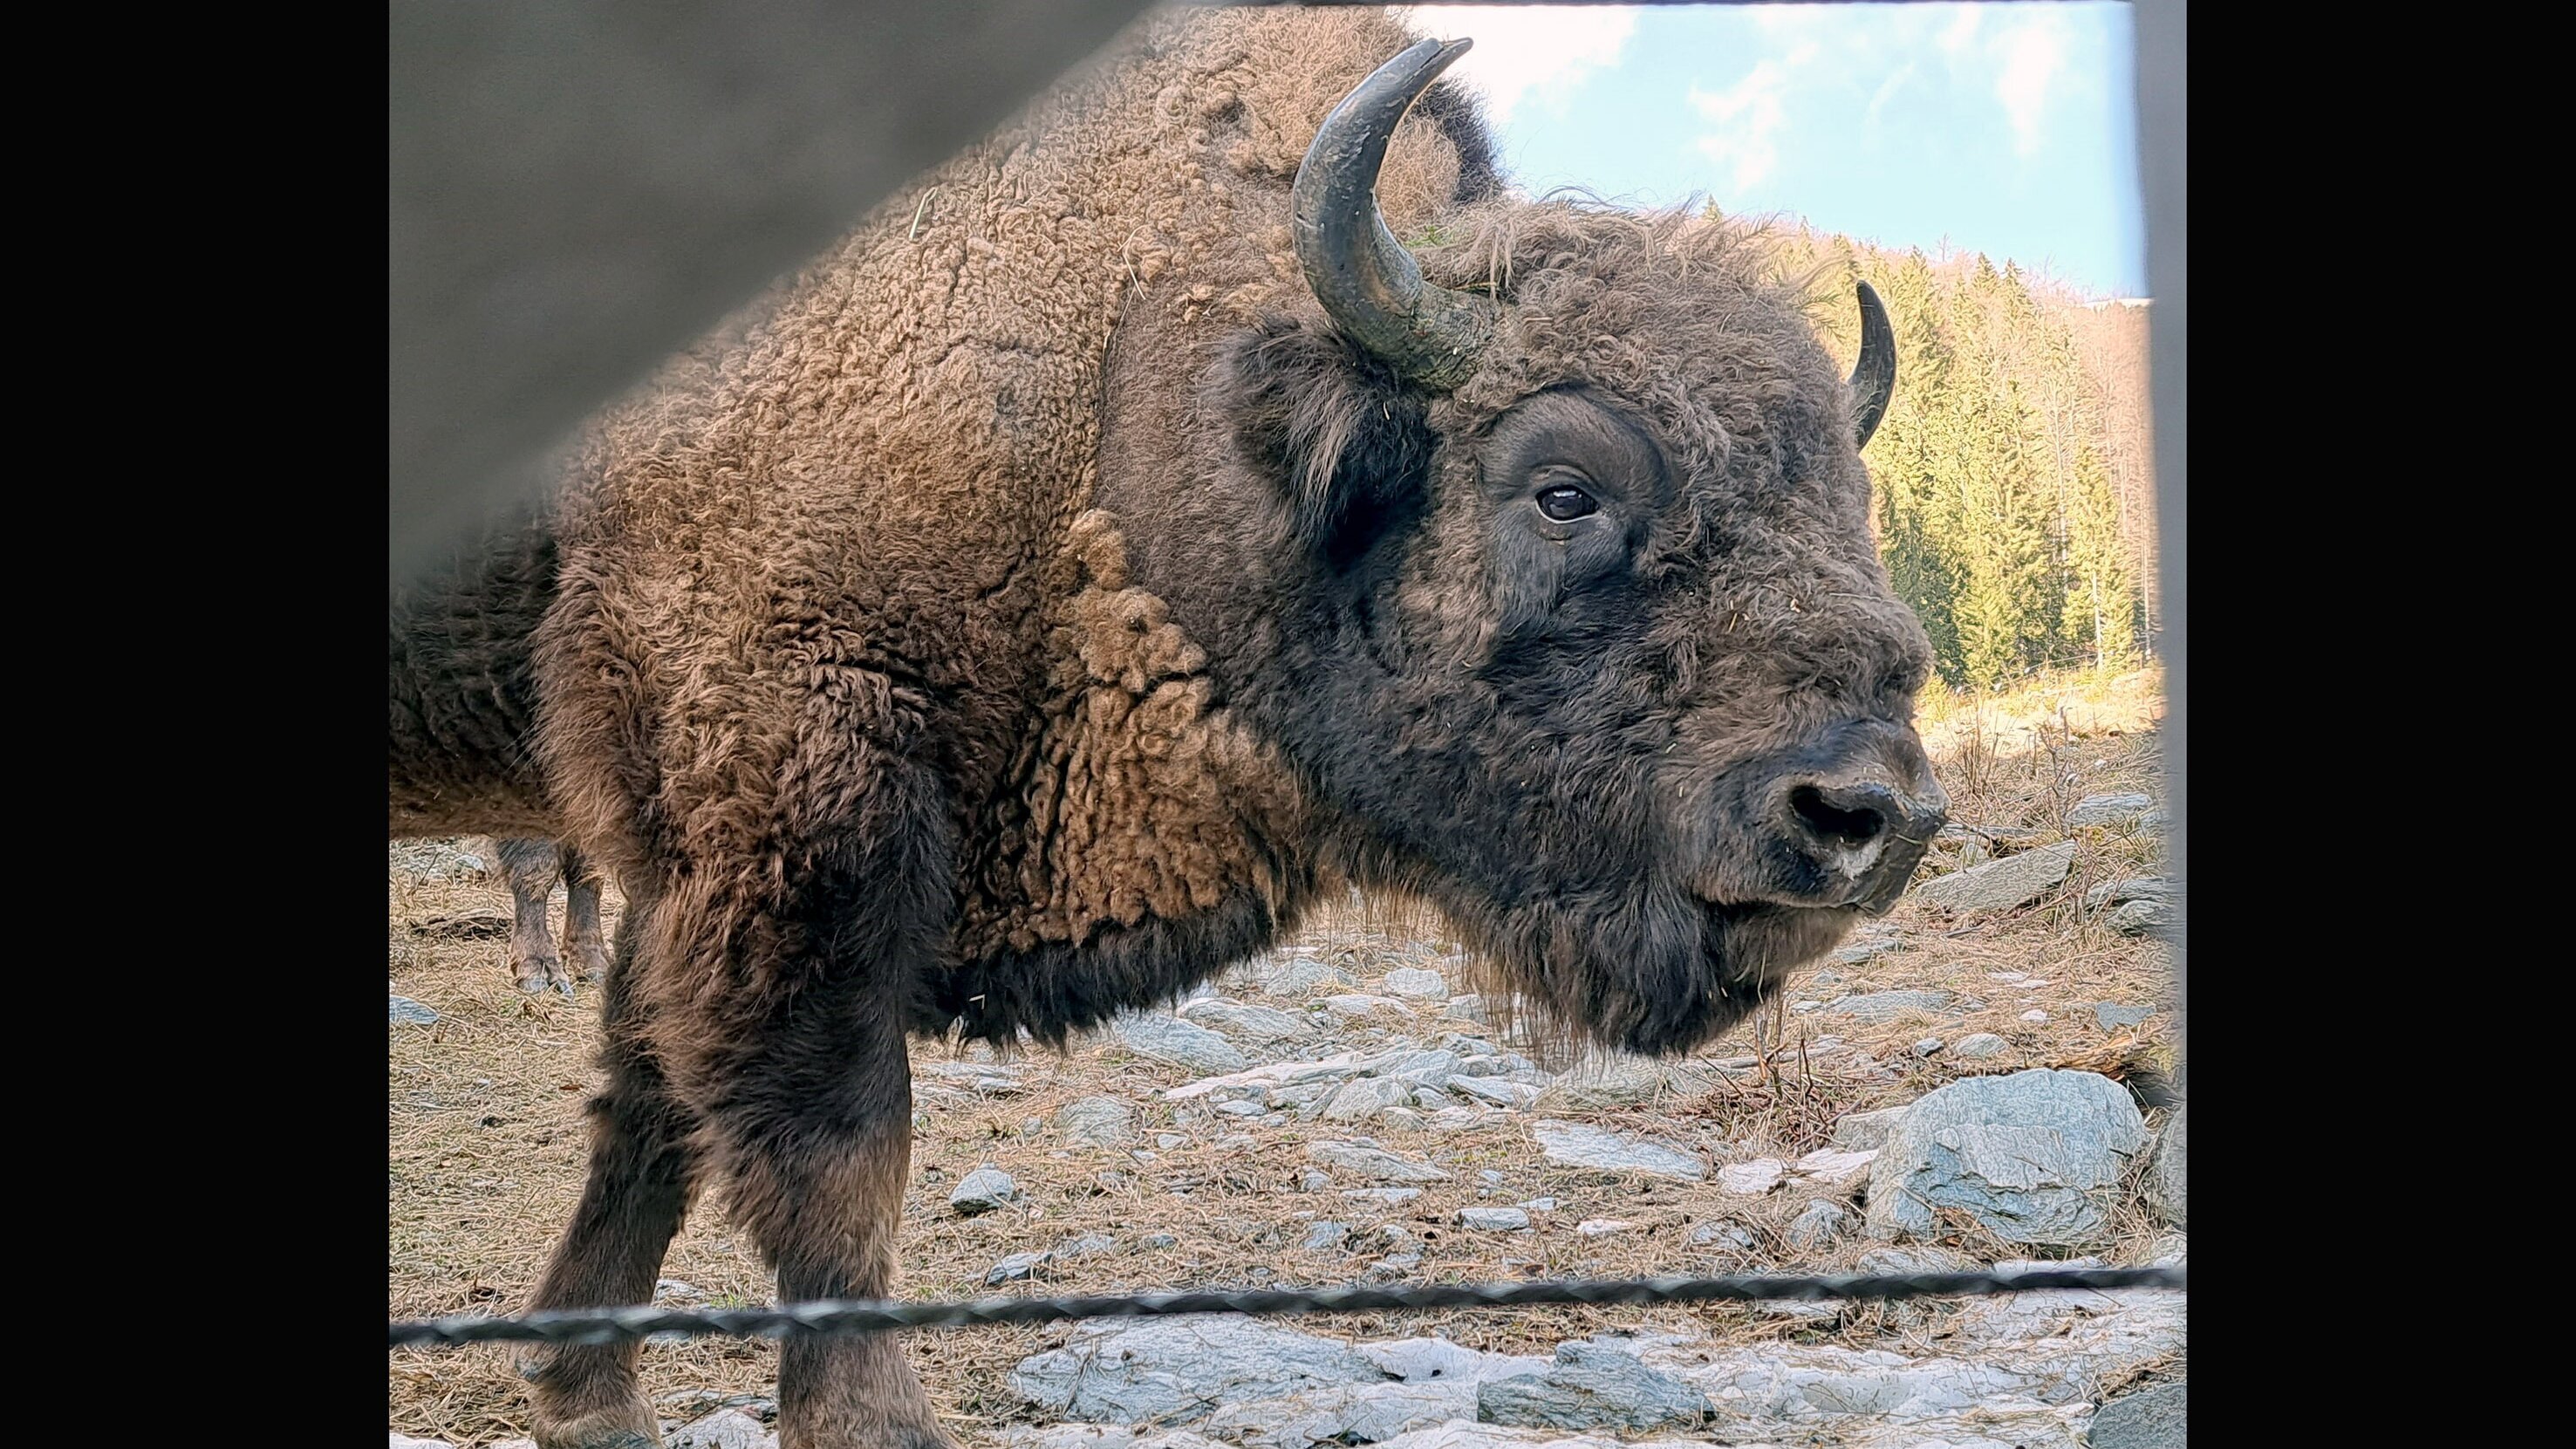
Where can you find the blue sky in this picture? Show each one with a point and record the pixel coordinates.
(2003, 128)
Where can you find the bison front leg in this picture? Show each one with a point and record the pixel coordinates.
(643, 1171)
(583, 942)
(531, 867)
(812, 1096)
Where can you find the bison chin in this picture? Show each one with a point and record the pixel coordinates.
(1660, 981)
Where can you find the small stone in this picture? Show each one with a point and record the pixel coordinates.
(1259, 1025)
(1169, 1140)
(674, 1290)
(1818, 1225)
(1926, 1047)
(1710, 1233)
(983, 1190)
(1592, 1386)
(1423, 985)
(2000, 885)
(1980, 1046)
(1097, 1121)
(2166, 1175)
(1513, 1096)
(2140, 918)
(1466, 1008)
(1574, 1145)
(1825, 1167)
(1242, 1108)
(1541, 1204)
(1154, 1242)
(2035, 1017)
(1383, 1196)
(1016, 1266)
(406, 1012)
(723, 1429)
(1183, 1044)
(2150, 1419)
(1313, 1180)
(1089, 1245)
(2114, 1017)
(1324, 1237)
(1751, 1179)
(1602, 1227)
(1494, 1220)
(1361, 1005)
(1490, 1177)
(1866, 1131)
(2100, 810)
(1370, 1162)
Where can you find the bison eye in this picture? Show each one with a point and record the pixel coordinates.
(1566, 504)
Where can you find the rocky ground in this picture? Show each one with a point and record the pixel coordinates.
(1961, 1084)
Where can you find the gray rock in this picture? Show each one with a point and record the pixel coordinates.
(1351, 1414)
(2149, 1419)
(1928, 1046)
(677, 1291)
(1373, 1163)
(1980, 1046)
(1183, 1044)
(1575, 1145)
(1866, 1131)
(1098, 1121)
(983, 1190)
(2097, 810)
(1242, 1108)
(1362, 1098)
(1875, 1007)
(1591, 1386)
(1324, 1237)
(1708, 1234)
(1622, 1080)
(407, 1012)
(1860, 952)
(1089, 1245)
(723, 1429)
(1494, 1219)
(1469, 1007)
(1313, 1179)
(1102, 1436)
(1017, 1266)
(2114, 1017)
(423, 861)
(2167, 1170)
(2152, 823)
(1437, 1360)
(1915, 1258)
(2000, 885)
(2120, 892)
(1383, 1196)
(1243, 1021)
(1818, 1225)
(1752, 1179)
(1303, 976)
(2031, 1156)
(1514, 1096)
(2141, 918)
(1154, 1242)
(1158, 1370)
(1417, 983)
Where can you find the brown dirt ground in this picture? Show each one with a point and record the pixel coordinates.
(486, 1141)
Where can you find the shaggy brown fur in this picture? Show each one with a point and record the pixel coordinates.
(1022, 614)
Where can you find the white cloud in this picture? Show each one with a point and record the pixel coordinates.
(1527, 53)
(2034, 55)
(1749, 116)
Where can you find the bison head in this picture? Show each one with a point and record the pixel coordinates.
(1550, 575)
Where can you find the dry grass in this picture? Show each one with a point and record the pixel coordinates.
(487, 1144)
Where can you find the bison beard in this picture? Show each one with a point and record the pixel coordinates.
(1033, 607)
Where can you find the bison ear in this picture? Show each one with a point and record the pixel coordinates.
(1341, 439)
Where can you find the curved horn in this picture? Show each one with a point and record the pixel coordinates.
(1873, 379)
(1366, 280)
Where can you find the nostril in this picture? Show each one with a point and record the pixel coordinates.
(1847, 826)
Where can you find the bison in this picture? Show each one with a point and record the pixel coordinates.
(1209, 493)
(532, 867)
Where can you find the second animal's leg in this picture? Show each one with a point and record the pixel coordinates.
(643, 1172)
(583, 943)
(531, 867)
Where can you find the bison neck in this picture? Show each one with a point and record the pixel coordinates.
(1143, 840)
